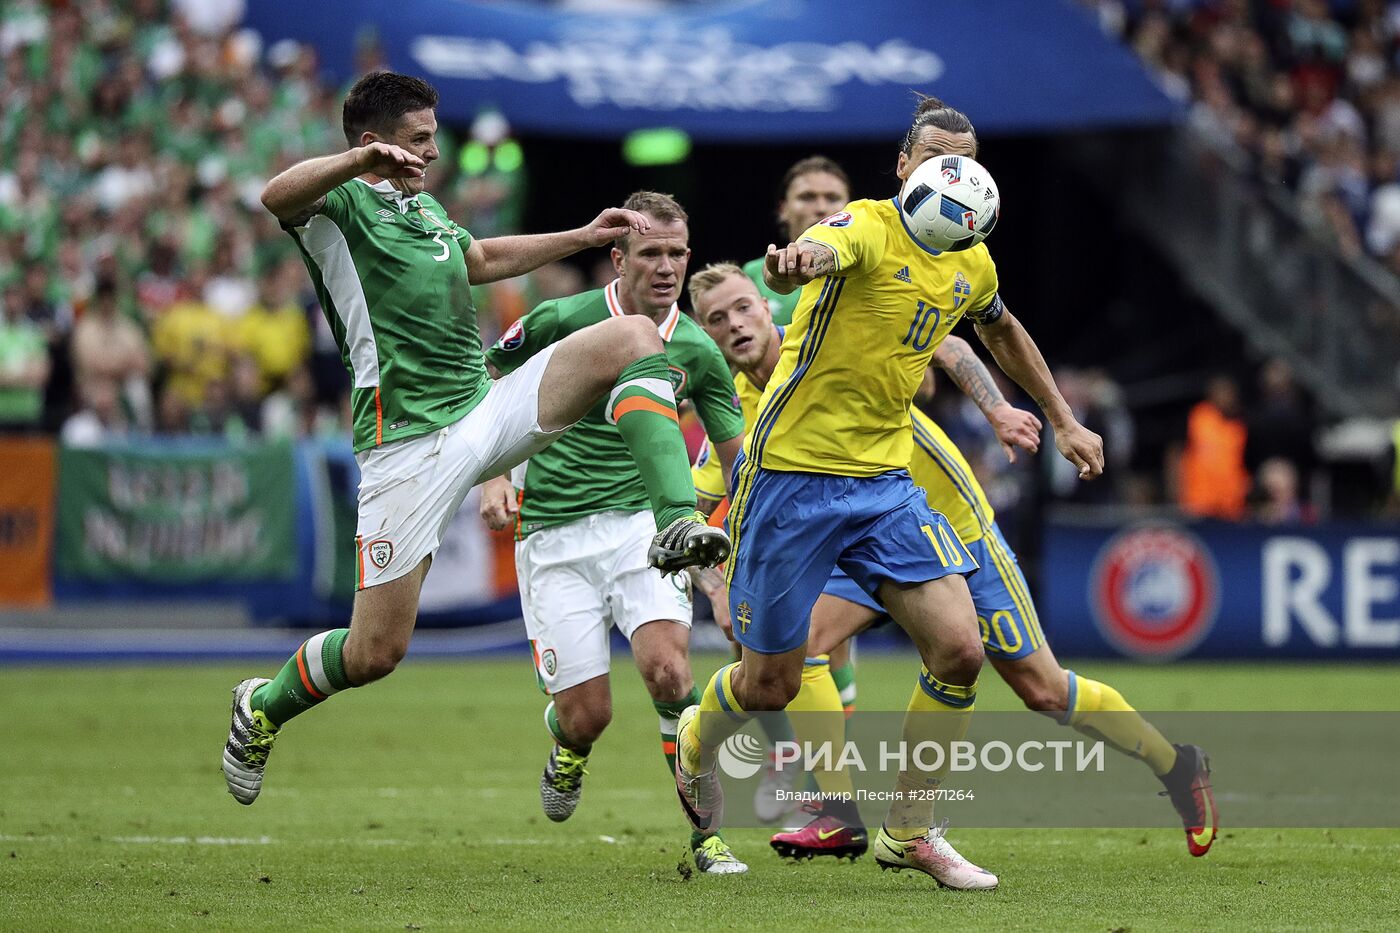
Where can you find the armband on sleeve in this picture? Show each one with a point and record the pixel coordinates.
(990, 314)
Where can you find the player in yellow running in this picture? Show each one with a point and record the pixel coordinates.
(731, 311)
(824, 483)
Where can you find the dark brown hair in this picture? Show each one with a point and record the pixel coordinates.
(809, 166)
(933, 112)
(379, 99)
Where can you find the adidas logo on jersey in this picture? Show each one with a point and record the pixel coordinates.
(903, 275)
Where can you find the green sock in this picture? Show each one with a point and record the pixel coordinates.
(670, 714)
(776, 726)
(845, 677)
(551, 722)
(643, 406)
(314, 673)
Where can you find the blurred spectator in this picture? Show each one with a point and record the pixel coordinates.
(1281, 424)
(24, 366)
(191, 343)
(274, 332)
(1277, 500)
(100, 420)
(1098, 404)
(1208, 470)
(108, 348)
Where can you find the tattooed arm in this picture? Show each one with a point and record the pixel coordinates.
(788, 269)
(1014, 427)
(1019, 357)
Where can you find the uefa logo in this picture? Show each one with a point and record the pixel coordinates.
(1154, 591)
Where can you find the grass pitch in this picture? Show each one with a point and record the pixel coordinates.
(414, 804)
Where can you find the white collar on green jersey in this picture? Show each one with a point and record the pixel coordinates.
(667, 327)
(385, 188)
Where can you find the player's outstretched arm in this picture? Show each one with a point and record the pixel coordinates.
(298, 192)
(1019, 357)
(505, 257)
(787, 269)
(1014, 427)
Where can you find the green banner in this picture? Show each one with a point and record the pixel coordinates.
(177, 515)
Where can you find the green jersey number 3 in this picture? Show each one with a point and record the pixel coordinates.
(437, 238)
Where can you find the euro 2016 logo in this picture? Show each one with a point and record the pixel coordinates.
(513, 337)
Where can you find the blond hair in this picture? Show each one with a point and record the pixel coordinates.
(709, 277)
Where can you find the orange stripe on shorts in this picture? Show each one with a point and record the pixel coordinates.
(642, 403)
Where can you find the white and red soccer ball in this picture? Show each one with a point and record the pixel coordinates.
(950, 203)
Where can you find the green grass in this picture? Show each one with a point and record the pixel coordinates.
(414, 804)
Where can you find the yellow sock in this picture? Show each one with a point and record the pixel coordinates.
(1100, 712)
(720, 717)
(940, 713)
(818, 719)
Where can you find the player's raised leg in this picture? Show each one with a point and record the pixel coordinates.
(381, 626)
(622, 361)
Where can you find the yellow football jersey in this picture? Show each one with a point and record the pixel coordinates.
(859, 342)
(937, 466)
(708, 473)
(945, 476)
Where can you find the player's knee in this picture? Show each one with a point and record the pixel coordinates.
(667, 680)
(630, 338)
(1042, 697)
(585, 724)
(958, 662)
(772, 690)
(375, 660)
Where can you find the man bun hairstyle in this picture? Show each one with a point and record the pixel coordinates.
(707, 278)
(932, 111)
(657, 206)
(379, 100)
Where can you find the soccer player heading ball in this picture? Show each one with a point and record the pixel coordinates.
(824, 483)
(393, 275)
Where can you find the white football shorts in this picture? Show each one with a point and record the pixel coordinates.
(578, 579)
(411, 489)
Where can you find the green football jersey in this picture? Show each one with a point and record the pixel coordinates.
(391, 274)
(780, 306)
(589, 470)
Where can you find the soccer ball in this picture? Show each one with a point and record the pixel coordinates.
(950, 203)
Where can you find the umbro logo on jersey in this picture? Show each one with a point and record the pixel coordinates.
(903, 275)
(386, 214)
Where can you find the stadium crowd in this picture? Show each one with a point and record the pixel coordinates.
(144, 287)
(1309, 90)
